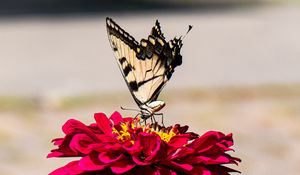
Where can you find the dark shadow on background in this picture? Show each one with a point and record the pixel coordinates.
(21, 8)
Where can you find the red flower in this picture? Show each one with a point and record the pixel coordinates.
(123, 146)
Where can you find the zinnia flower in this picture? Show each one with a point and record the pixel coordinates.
(119, 145)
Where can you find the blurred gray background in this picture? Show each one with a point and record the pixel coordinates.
(240, 74)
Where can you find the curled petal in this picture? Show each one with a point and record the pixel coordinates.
(135, 149)
(80, 143)
(73, 125)
(153, 148)
(110, 157)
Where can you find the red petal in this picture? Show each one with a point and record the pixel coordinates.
(164, 171)
(201, 170)
(179, 140)
(72, 127)
(134, 149)
(55, 154)
(182, 167)
(103, 147)
(205, 141)
(138, 161)
(57, 141)
(208, 160)
(153, 148)
(149, 142)
(122, 166)
(116, 118)
(180, 153)
(109, 157)
(103, 123)
(59, 171)
(80, 143)
(71, 168)
(91, 163)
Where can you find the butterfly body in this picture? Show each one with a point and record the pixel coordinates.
(145, 66)
(149, 109)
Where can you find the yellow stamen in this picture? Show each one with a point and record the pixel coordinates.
(124, 133)
(166, 136)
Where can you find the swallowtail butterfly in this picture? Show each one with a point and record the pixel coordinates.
(145, 66)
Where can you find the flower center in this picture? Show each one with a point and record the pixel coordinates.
(128, 131)
(166, 136)
(122, 133)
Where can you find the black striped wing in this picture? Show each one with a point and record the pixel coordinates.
(145, 66)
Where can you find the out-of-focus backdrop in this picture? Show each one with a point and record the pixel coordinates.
(240, 74)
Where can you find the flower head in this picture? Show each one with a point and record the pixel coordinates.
(119, 145)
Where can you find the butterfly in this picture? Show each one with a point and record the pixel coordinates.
(145, 66)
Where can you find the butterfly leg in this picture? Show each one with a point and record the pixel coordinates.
(153, 119)
(140, 118)
(137, 115)
(145, 117)
(162, 118)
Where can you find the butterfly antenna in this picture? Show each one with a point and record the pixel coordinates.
(129, 109)
(189, 29)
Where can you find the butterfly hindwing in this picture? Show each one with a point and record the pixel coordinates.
(156, 30)
(145, 66)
